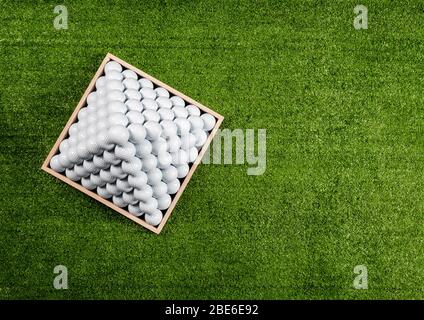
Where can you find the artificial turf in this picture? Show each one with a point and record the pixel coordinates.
(343, 110)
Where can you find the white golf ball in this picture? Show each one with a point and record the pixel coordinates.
(125, 152)
(70, 173)
(132, 94)
(170, 174)
(82, 150)
(149, 162)
(154, 176)
(164, 201)
(81, 171)
(137, 133)
(209, 121)
(56, 165)
(201, 137)
(196, 122)
(146, 83)
(166, 114)
(135, 117)
(177, 101)
(193, 110)
(100, 82)
(144, 193)
(148, 93)
(139, 181)
(188, 141)
(113, 106)
(129, 198)
(151, 115)
(101, 191)
(123, 185)
(87, 183)
(118, 134)
(92, 146)
(64, 161)
(135, 210)
(106, 176)
(159, 189)
(132, 167)
(73, 129)
(179, 158)
(164, 160)
(183, 171)
(119, 201)
(163, 102)
(143, 148)
(159, 145)
(113, 189)
(134, 105)
(83, 113)
(130, 83)
(100, 162)
(173, 186)
(72, 155)
(129, 74)
(95, 178)
(162, 92)
(112, 66)
(153, 218)
(64, 145)
(110, 158)
(117, 172)
(149, 104)
(148, 205)
(114, 75)
(180, 112)
(153, 130)
(117, 118)
(173, 143)
(90, 166)
(183, 125)
(112, 85)
(169, 128)
(192, 154)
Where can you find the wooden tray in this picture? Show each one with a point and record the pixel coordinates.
(110, 204)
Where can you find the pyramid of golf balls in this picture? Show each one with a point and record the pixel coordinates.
(133, 142)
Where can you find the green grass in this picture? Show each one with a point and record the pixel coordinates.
(343, 110)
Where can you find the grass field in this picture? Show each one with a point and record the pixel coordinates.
(343, 110)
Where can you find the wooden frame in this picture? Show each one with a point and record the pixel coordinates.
(94, 195)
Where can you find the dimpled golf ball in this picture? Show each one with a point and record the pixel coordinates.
(170, 173)
(139, 181)
(112, 66)
(135, 210)
(154, 218)
(131, 83)
(148, 93)
(164, 201)
(182, 170)
(177, 101)
(134, 105)
(129, 74)
(162, 92)
(209, 121)
(193, 110)
(56, 165)
(146, 83)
